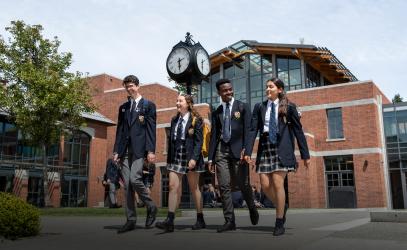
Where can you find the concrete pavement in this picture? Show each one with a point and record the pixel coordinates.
(306, 229)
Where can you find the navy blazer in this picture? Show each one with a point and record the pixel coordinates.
(193, 140)
(288, 128)
(240, 128)
(139, 133)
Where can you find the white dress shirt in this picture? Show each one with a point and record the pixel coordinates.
(267, 118)
(185, 119)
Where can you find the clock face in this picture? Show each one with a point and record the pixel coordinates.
(202, 61)
(178, 60)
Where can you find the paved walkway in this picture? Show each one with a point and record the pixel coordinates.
(306, 229)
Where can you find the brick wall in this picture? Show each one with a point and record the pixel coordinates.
(307, 187)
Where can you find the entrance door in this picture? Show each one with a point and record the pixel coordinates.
(340, 181)
(6, 183)
(74, 192)
(35, 191)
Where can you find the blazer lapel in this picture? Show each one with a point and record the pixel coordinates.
(220, 114)
(263, 112)
(234, 109)
(189, 124)
(173, 124)
(128, 106)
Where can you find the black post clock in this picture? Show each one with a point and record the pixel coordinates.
(188, 63)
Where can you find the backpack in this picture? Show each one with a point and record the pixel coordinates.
(206, 135)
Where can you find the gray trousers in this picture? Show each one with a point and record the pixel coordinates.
(112, 193)
(132, 172)
(232, 174)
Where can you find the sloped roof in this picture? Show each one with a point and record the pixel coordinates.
(319, 58)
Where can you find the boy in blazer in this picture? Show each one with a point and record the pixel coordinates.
(229, 136)
(278, 122)
(135, 139)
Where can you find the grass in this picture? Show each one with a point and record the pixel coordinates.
(86, 211)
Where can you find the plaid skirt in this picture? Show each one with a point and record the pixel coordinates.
(180, 162)
(269, 161)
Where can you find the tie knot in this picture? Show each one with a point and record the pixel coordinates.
(227, 104)
(180, 120)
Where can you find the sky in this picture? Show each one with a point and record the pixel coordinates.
(122, 37)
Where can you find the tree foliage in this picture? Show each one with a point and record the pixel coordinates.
(397, 98)
(40, 96)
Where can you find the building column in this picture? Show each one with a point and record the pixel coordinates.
(303, 75)
(274, 62)
(20, 185)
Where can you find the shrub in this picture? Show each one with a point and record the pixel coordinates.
(17, 217)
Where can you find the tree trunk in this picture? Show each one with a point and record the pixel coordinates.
(47, 202)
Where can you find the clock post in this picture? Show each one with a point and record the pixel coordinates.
(188, 63)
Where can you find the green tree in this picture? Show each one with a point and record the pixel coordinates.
(397, 98)
(39, 95)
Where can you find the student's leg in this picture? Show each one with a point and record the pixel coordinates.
(278, 185)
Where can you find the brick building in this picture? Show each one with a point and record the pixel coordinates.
(342, 118)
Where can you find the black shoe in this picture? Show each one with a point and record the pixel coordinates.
(166, 225)
(285, 212)
(254, 216)
(199, 224)
(140, 204)
(129, 226)
(279, 231)
(151, 213)
(228, 226)
(115, 206)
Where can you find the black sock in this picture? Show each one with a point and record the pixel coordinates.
(171, 216)
(199, 216)
(279, 222)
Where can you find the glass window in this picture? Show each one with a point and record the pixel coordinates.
(239, 87)
(239, 65)
(255, 64)
(205, 92)
(215, 98)
(335, 126)
(267, 64)
(289, 71)
(228, 71)
(313, 77)
(339, 170)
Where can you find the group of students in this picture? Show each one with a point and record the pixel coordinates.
(234, 129)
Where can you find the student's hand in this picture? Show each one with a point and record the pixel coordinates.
(212, 168)
(249, 161)
(191, 164)
(151, 157)
(242, 155)
(307, 163)
(116, 158)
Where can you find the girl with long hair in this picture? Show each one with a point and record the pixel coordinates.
(278, 122)
(184, 158)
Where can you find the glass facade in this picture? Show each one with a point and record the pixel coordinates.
(75, 179)
(395, 130)
(249, 72)
(76, 155)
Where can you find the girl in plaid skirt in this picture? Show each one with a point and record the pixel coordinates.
(184, 157)
(278, 122)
